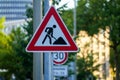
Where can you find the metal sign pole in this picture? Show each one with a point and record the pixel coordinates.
(37, 57)
(48, 65)
(48, 61)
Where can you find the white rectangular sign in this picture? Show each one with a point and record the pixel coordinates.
(60, 70)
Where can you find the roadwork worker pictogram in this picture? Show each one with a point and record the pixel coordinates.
(49, 31)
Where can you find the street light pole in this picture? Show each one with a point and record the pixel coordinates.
(74, 35)
(74, 18)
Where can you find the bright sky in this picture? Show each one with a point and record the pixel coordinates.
(70, 3)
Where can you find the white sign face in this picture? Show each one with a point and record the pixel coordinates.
(52, 35)
(59, 57)
(60, 70)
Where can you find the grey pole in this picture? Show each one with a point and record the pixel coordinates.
(37, 57)
(74, 18)
(48, 60)
(46, 54)
(46, 6)
(75, 32)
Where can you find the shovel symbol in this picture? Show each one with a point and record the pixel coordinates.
(49, 35)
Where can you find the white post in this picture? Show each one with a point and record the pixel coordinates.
(37, 57)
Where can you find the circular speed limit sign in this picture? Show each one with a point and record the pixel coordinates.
(60, 57)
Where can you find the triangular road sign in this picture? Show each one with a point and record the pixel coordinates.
(52, 35)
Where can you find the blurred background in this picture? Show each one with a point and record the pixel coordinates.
(94, 25)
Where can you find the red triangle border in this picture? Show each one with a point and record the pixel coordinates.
(31, 46)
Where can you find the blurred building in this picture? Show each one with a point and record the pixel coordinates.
(14, 24)
(98, 46)
(14, 9)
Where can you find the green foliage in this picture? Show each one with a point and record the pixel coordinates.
(23, 60)
(94, 14)
(56, 2)
(85, 67)
(13, 56)
(112, 57)
(29, 27)
(61, 8)
(2, 20)
(6, 52)
(68, 19)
